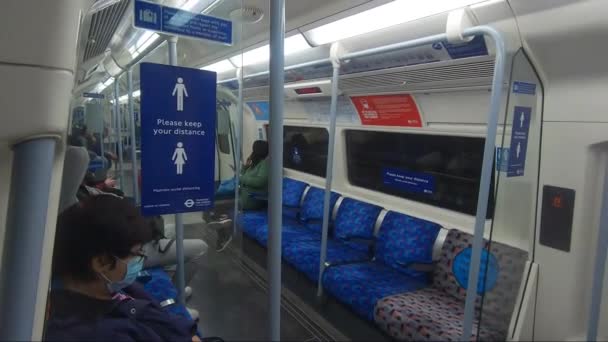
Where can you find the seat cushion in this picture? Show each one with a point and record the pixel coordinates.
(250, 221)
(306, 255)
(161, 288)
(356, 219)
(500, 275)
(312, 206)
(292, 231)
(427, 315)
(360, 286)
(292, 192)
(403, 240)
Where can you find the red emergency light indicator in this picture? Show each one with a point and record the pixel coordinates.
(308, 90)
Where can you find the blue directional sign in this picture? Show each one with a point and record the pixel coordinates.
(519, 141)
(93, 95)
(178, 113)
(408, 180)
(178, 22)
(524, 88)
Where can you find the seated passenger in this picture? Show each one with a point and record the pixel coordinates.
(253, 190)
(96, 267)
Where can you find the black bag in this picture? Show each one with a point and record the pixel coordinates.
(157, 224)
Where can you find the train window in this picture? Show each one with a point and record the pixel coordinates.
(223, 130)
(305, 149)
(443, 171)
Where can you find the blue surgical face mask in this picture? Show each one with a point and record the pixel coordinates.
(134, 266)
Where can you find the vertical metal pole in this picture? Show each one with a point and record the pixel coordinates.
(101, 147)
(275, 203)
(486, 174)
(238, 148)
(179, 223)
(132, 123)
(600, 266)
(32, 172)
(118, 118)
(329, 172)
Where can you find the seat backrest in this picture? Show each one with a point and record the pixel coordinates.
(312, 207)
(75, 166)
(292, 192)
(356, 219)
(405, 239)
(500, 275)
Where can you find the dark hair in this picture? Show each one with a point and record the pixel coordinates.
(100, 226)
(260, 152)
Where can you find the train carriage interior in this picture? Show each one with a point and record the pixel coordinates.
(366, 170)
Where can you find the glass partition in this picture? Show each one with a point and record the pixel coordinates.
(508, 248)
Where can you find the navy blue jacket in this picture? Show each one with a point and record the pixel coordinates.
(76, 317)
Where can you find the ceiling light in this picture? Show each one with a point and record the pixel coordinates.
(307, 84)
(293, 44)
(125, 97)
(103, 85)
(219, 67)
(393, 13)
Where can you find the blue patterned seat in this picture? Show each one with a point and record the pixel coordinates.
(292, 231)
(311, 213)
(436, 313)
(402, 240)
(161, 288)
(362, 285)
(250, 221)
(292, 192)
(306, 255)
(355, 223)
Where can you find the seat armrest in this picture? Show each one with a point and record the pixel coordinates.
(329, 264)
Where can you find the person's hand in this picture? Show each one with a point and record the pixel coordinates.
(195, 339)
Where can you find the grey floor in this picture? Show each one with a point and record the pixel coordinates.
(233, 304)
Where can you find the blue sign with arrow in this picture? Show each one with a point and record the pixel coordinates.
(175, 21)
(178, 113)
(519, 141)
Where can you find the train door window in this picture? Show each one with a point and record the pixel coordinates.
(440, 170)
(223, 130)
(305, 149)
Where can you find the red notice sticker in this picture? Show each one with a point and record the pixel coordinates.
(388, 110)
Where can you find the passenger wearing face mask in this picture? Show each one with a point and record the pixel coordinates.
(97, 256)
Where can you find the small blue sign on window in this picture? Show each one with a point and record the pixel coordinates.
(178, 113)
(93, 95)
(524, 88)
(502, 159)
(411, 181)
(176, 21)
(519, 141)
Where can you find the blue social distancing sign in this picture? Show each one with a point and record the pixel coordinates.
(410, 181)
(178, 114)
(519, 141)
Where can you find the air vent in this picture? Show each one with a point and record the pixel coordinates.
(103, 26)
(256, 93)
(443, 74)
